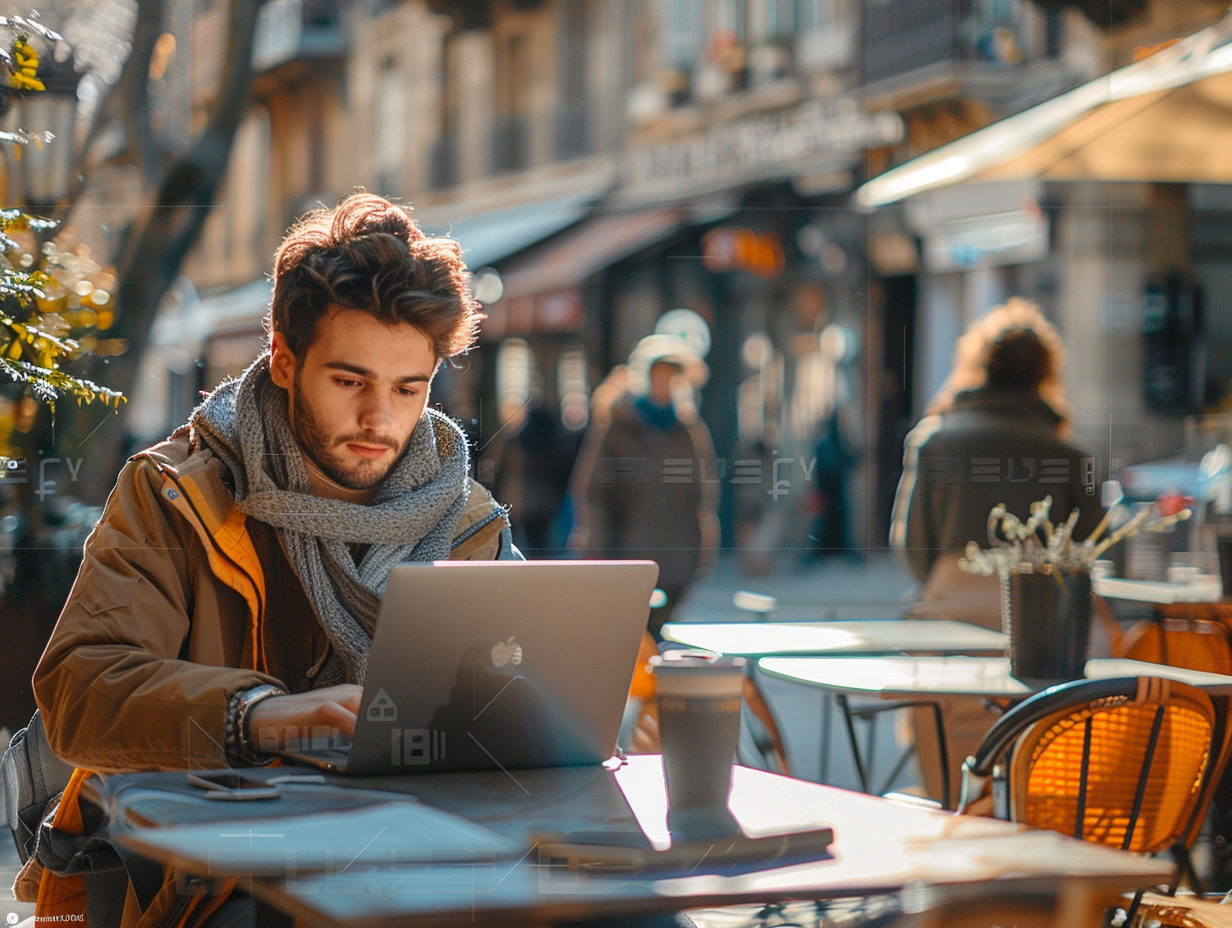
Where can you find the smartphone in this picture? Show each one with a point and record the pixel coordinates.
(228, 785)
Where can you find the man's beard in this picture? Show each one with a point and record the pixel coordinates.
(320, 448)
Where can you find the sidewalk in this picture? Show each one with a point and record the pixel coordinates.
(870, 587)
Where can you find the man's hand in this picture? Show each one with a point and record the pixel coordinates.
(312, 719)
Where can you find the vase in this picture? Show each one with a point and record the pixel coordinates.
(1046, 612)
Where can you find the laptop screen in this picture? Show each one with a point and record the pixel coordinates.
(501, 664)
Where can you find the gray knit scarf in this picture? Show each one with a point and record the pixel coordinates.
(413, 517)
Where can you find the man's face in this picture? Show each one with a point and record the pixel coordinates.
(356, 394)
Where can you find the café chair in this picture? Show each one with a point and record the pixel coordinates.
(1128, 762)
(1193, 642)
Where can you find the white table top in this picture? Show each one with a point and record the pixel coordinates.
(879, 847)
(895, 677)
(876, 636)
(1159, 591)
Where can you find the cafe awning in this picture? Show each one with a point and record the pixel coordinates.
(487, 238)
(542, 288)
(1167, 118)
(596, 244)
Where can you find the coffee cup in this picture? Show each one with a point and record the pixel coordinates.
(699, 697)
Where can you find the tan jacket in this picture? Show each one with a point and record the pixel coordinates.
(176, 607)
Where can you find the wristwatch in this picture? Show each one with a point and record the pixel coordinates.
(239, 748)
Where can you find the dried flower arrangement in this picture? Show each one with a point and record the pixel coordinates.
(1037, 545)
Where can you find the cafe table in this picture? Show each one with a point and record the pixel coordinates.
(865, 636)
(868, 636)
(377, 870)
(931, 678)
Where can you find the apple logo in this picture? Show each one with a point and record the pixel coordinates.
(506, 652)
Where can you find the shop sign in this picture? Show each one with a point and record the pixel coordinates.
(818, 131)
(729, 248)
(987, 224)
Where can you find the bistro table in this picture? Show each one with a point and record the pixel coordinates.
(865, 636)
(378, 875)
(872, 636)
(930, 678)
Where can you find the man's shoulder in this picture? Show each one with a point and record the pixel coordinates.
(481, 524)
(185, 460)
(480, 506)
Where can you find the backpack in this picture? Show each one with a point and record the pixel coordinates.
(31, 777)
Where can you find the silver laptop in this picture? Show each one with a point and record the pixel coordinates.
(486, 665)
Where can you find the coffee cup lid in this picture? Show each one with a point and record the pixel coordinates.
(693, 661)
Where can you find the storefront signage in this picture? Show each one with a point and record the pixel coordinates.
(818, 131)
(730, 248)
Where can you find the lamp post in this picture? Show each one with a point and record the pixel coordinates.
(43, 170)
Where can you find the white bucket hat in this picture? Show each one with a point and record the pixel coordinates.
(671, 348)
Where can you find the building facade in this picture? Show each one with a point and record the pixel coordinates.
(613, 166)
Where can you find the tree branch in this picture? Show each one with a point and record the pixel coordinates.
(170, 223)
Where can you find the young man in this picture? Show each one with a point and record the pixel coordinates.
(229, 594)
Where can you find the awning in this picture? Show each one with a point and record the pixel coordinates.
(487, 238)
(1167, 118)
(195, 318)
(596, 244)
(542, 292)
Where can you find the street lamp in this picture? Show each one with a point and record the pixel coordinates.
(43, 170)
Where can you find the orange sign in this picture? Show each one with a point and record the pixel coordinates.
(730, 248)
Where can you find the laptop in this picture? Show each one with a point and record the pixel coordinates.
(487, 665)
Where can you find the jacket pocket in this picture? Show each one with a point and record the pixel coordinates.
(99, 594)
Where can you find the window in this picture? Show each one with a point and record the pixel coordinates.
(680, 31)
(813, 14)
(390, 128)
(509, 137)
(571, 126)
(443, 158)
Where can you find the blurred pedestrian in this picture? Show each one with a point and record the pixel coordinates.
(645, 484)
(830, 533)
(530, 471)
(993, 434)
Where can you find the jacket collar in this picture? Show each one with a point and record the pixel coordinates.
(985, 399)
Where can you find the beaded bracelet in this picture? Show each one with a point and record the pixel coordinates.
(239, 749)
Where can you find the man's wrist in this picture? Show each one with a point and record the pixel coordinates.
(239, 748)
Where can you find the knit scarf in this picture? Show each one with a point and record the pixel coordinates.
(413, 517)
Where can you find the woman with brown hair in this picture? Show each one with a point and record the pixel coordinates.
(995, 433)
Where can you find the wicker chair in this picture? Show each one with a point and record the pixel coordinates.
(1194, 642)
(1129, 762)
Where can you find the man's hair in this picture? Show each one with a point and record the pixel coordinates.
(369, 254)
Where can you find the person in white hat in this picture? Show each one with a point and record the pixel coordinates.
(646, 481)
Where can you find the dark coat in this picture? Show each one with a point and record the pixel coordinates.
(991, 447)
(648, 492)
